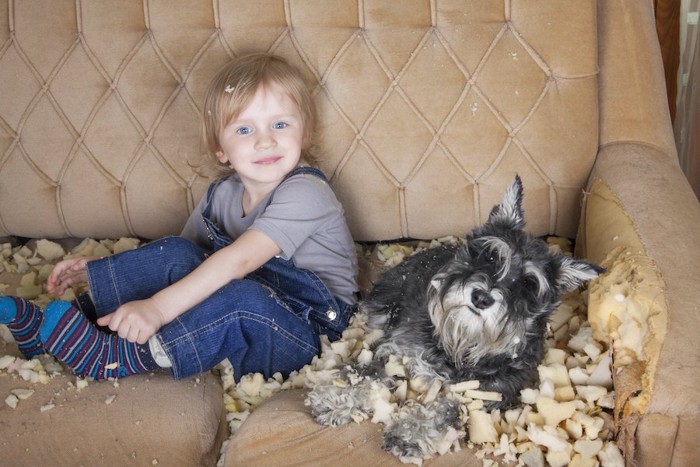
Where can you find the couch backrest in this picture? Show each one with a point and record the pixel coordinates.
(428, 108)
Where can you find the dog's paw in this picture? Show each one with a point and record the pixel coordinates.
(334, 406)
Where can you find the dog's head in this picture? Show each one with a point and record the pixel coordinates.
(501, 287)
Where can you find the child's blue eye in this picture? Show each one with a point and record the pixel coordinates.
(280, 125)
(244, 130)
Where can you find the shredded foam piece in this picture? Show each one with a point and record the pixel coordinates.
(46, 407)
(12, 401)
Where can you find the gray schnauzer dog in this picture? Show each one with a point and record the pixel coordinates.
(472, 312)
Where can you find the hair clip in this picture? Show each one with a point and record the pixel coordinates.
(229, 89)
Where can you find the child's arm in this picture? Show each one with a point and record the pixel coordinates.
(137, 321)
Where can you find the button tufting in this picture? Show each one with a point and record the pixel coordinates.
(441, 67)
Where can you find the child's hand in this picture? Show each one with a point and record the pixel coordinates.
(67, 273)
(135, 321)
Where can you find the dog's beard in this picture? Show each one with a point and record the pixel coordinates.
(468, 332)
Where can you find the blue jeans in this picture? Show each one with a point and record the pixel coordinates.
(267, 322)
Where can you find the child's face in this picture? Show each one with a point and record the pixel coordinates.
(263, 144)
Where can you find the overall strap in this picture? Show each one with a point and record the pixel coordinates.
(210, 195)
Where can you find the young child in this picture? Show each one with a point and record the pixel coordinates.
(264, 265)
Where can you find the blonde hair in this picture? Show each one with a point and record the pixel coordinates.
(232, 89)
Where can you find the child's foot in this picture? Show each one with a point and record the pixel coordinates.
(72, 339)
(23, 319)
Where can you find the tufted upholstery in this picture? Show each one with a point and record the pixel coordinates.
(427, 108)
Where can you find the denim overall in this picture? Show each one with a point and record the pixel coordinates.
(267, 322)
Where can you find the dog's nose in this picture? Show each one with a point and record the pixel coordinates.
(481, 299)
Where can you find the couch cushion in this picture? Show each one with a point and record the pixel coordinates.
(144, 420)
(282, 432)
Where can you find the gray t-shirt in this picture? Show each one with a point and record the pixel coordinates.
(304, 219)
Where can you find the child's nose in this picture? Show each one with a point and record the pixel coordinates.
(265, 140)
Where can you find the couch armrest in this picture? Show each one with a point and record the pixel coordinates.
(639, 199)
(632, 88)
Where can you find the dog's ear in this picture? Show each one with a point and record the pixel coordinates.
(509, 213)
(573, 272)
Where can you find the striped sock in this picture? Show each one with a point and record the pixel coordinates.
(68, 335)
(23, 319)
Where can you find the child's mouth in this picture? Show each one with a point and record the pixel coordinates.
(268, 160)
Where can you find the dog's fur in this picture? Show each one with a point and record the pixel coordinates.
(475, 312)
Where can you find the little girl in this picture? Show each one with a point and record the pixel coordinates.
(264, 265)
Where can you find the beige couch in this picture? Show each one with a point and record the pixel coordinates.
(428, 109)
